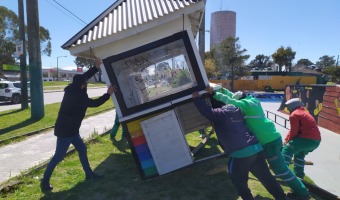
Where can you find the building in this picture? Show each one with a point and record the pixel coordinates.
(12, 73)
(149, 52)
(222, 26)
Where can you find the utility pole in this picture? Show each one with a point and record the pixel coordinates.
(23, 65)
(37, 97)
(58, 66)
(201, 39)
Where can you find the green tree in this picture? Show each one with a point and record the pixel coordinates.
(182, 78)
(87, 63)
(9, 36)
(325, 61)
(333, 72)
(260, 61)
(284, 57)
(84, 62)
(230, 58)
(304, 62)
(210, 68)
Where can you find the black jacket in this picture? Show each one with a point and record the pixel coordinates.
(73, 108)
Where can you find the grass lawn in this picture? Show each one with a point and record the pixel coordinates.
(121, 179)
(24, 124)
(60, 85)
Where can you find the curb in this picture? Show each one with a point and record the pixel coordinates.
(320, 192)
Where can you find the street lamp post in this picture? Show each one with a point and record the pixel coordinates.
(58, 66)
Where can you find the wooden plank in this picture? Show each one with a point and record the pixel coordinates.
(325, 123)
(332, 94)
(333, 118)
(329, 111)
(329, 105)
(331, 89)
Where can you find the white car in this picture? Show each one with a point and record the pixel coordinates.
(11, 91)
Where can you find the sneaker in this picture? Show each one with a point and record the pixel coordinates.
(45, 186)
(94, 176)
(292, 195)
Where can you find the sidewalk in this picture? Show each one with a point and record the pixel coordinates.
(21, 156)
(326, 158)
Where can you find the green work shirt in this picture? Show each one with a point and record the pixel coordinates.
(263, 128)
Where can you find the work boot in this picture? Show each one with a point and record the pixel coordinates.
(94, 176)
(292, 195)
(45, 186)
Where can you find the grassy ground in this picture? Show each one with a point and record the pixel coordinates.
(122, 181)
(60, 85)
(24, 124)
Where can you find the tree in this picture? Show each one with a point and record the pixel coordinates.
(210, 68)
(283, 57)
(87, 63)
(9, 36)
(334, 73)
(260, 61)
(325, 61)
(304, 62)
(230, 58)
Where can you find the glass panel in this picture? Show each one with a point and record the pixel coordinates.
(17, 85)
(153, 74)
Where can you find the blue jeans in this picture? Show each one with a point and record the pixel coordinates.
(63, 144)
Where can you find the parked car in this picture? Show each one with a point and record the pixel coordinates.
(11, 91)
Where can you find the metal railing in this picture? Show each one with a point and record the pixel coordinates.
(276, 117)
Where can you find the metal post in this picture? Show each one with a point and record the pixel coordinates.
(58, 67)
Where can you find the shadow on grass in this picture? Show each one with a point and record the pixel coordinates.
(122, 181)
(25, 123)
(12, 112)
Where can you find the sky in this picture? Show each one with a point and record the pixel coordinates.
(310, 28)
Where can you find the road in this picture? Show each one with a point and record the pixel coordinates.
(53, 97)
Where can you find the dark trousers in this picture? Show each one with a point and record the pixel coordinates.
(239, 169)
(63, 143)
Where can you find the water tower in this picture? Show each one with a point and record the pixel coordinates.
(222, 26)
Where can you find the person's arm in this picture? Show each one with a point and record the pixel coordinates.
(226, 92)
(93, 70)
(294, 128)
(97, 102)
(89, 73)
(223, 95)
(203, 108)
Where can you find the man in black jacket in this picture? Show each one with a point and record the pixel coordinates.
(71, 114)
